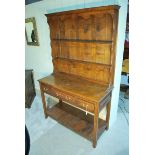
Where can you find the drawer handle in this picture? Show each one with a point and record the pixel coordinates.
(45, 89)
(86, 109)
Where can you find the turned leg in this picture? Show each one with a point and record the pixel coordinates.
(44, 102)
(108, 114)
(95, 130)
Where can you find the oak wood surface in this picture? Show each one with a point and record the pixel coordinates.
(77, 86)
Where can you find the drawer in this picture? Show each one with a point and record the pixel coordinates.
(73, 100)
(48, 90)
(85, 106)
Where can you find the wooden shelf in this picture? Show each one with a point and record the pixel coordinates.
(75, 119)
(82, 61)
(85, 41)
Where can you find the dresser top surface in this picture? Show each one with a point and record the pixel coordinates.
(77, 86)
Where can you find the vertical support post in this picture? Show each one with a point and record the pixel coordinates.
(108, 107)
(95, 130)
(43, 100)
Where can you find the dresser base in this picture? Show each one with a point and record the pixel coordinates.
(76, 120)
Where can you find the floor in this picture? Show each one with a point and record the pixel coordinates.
(50, 138)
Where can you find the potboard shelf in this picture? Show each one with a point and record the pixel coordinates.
(75, 120)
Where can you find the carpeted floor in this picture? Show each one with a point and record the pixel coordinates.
(50, 138)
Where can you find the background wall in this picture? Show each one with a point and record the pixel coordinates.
(39, 58)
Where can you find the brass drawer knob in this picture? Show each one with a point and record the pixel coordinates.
(86, 109)
(85, 106)
(45, 89)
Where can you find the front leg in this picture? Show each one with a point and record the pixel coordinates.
(108, 107)
(43, 101)
(95, 130)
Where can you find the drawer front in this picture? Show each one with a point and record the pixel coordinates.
(76, 101)
(70, 99)
(48, 90)
(86, 106)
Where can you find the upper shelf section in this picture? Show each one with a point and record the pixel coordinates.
(83, 42)
(89, 27)
(91, 52)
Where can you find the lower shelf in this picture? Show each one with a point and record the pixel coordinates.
(75, 119)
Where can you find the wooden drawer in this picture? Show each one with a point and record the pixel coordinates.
(85, 106)
(68, 98)
(76, 101)
(48, 90)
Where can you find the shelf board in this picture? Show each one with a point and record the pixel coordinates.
(85, 41)
(75, 119)
(82, 61)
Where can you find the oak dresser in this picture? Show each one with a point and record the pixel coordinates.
(83, 44)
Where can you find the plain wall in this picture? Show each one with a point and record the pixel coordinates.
(39, 58)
